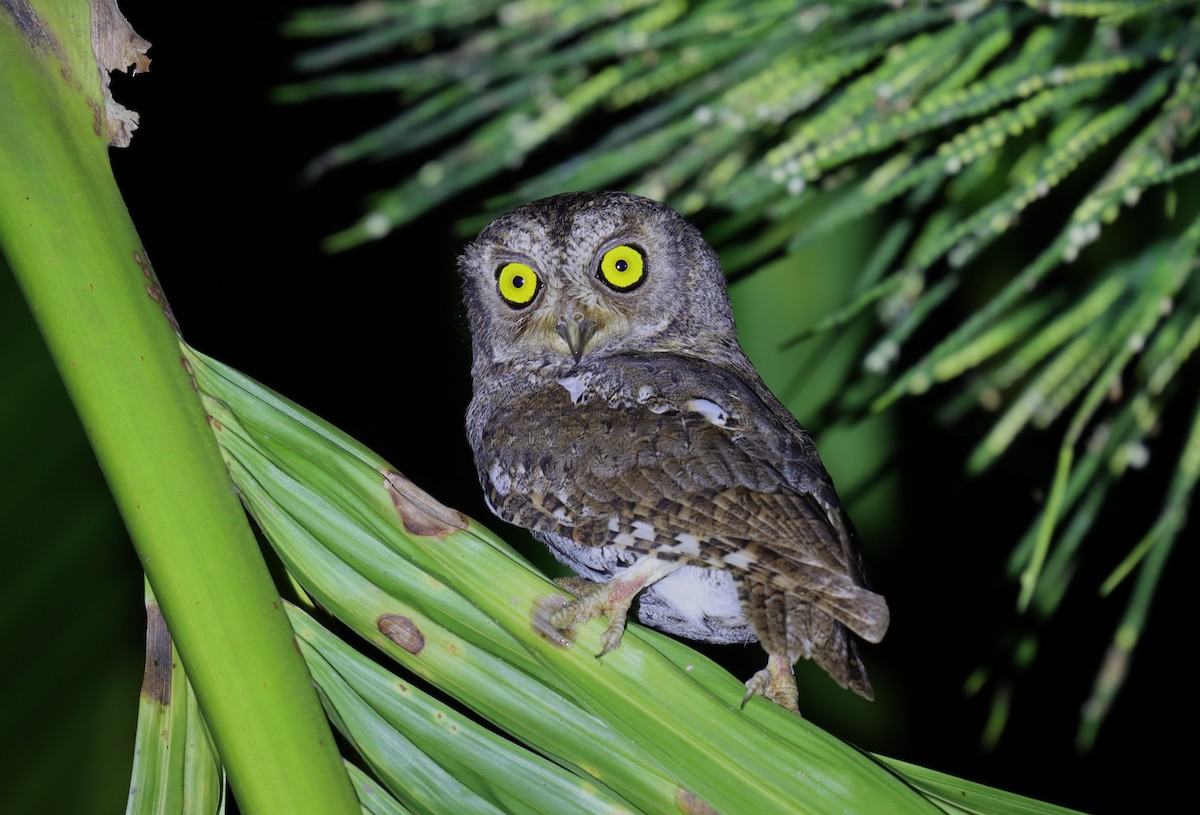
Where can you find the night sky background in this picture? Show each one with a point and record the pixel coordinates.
(374, 341)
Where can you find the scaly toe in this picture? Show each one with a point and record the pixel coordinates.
(612, 635)
(555, 618)
(775, 682)
(573, 613)
(543, 620)
(561, 617)
(578, 586)
(756, 684)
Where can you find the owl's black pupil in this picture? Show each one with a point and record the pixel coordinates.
(518, 282)
(621, 265)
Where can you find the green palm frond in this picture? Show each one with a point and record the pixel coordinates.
(439, 594)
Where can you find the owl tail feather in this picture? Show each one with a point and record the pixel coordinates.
(861, 610)
(787, 623)
(865, 613)
(846, 667)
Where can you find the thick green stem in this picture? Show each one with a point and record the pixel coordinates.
(65, 232)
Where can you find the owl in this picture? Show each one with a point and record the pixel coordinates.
(615, 416)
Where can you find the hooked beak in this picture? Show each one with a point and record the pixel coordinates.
(576, 330)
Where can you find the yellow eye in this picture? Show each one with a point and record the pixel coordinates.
(518, 283)
(622, 268)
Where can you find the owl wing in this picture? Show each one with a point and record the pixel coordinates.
(679, 458)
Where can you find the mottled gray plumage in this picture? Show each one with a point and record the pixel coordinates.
(623, 426)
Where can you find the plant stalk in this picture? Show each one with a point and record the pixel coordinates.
(68, 238)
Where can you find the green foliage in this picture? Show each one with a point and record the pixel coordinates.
(997, 138)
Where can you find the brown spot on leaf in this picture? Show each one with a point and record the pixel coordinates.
(154, 291)
(33, 29)
(420, 512)
(691, 804)
(187, 367)
(402, 631)
(156, 680)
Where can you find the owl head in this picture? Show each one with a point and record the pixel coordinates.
(582, 275)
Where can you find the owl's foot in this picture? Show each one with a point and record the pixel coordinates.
(556, 618)
(578, 586)
(777, 682)
(577, 612)
(548, 607)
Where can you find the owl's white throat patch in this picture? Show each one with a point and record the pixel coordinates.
(575, 385)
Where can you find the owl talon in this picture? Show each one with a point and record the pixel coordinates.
(555, 618)
(543, 625)
(612, 635)
(608, 599)
(776, 682)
